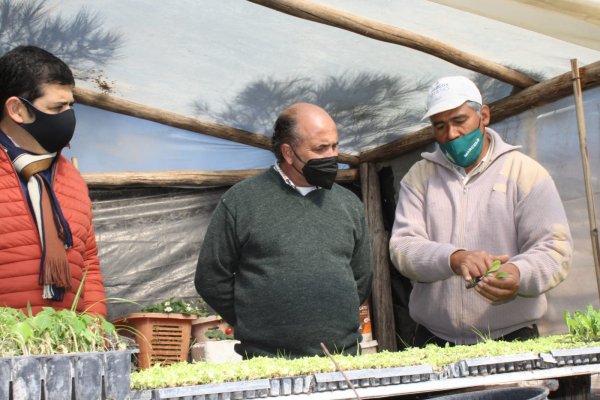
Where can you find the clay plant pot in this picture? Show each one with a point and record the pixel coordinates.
(162, 337)
(203, 324)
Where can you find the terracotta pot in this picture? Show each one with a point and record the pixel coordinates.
(162, 337)
(201, 325)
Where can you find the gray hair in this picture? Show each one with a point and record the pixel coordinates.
(475, 106)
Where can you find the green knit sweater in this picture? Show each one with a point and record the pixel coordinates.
(287, 271)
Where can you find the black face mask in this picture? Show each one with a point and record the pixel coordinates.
(319, 171)
(52, 131)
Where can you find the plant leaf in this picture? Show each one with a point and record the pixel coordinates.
(495, 267)
(501, 275)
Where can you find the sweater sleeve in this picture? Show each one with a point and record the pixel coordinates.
(544, 239)
(217, 263)
(412, 252)
(361, 262)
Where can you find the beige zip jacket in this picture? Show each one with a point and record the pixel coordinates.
(511, 206)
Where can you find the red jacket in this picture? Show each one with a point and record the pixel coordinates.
(20, 248)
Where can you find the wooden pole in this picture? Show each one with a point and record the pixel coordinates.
(125, 107)
(381, 298)
(589, 190)
(376, 30)
(542, 93)
(187, 178)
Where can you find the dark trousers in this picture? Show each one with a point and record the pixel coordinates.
(424, 337)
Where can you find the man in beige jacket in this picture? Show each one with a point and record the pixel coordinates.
(474, 201)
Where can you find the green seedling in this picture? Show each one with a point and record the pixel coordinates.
(584, 325)
(493, 269)
(53, 331)
(202, 373)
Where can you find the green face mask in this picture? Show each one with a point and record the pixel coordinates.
(464, 150)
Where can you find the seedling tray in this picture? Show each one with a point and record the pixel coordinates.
(321, 384)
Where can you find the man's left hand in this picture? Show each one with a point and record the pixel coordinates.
(499, 290)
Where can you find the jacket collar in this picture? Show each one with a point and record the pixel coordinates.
(500, 147)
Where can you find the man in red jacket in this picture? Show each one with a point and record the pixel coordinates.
(47, 242)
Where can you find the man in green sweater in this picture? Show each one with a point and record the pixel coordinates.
(286, 259)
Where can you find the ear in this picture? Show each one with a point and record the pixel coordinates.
(16, 110)
(485, 115)
(287, 153)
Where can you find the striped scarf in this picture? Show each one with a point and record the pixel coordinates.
(53, 229)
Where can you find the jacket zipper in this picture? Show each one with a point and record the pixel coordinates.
(462, 220)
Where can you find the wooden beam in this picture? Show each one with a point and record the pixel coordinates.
(113, 104)
(187, 178)
(537, 95)
(545, 92)
(376, 30)
(381, 297)
(395, 148)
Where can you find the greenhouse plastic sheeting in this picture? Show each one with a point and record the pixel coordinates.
(148, 242)
(240, 64)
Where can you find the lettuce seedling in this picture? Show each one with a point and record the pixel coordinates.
(493, 268)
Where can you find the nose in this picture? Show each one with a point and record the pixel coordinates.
(453, 132)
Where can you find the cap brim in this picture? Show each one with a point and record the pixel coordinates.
(446, 105)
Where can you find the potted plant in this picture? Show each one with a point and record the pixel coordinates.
(204, 324)
(213, 338)
(207, 322)
(216, 344)
(162, 331)
(60, 354)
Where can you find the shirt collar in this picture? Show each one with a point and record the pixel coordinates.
(302, 190)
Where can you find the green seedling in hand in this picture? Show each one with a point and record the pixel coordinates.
(495, 267)
(501, 275)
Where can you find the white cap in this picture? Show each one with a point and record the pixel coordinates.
(450, 92)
